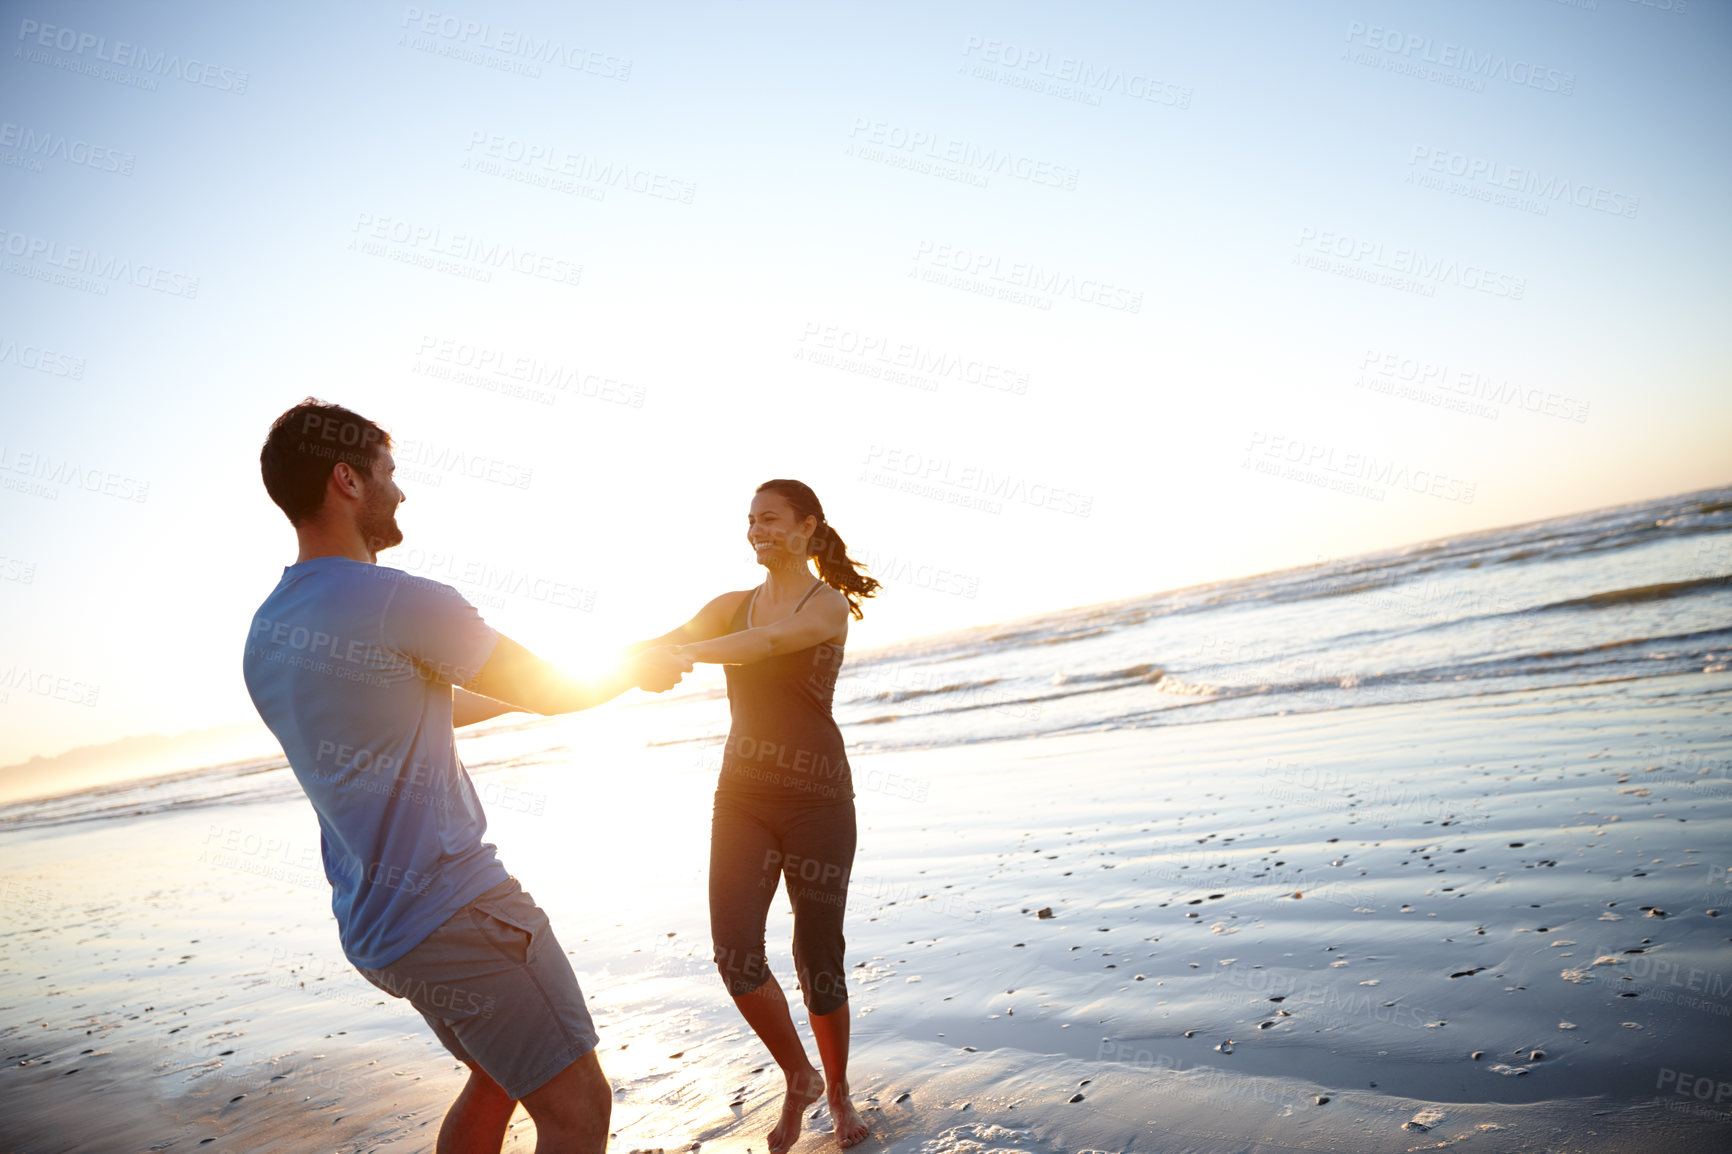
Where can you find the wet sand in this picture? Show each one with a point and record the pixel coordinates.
(1493, 922)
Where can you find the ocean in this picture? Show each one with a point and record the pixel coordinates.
(1639, 591)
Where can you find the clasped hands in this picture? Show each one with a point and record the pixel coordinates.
(658, 670)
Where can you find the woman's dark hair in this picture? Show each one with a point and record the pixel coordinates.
(306, 443)
(835, 568)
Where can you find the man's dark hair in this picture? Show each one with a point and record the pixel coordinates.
(306, 443)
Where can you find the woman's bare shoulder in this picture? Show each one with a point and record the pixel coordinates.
(830, 595)
(836, 602)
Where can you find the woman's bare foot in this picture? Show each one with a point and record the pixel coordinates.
(849, 1128)
(803, 1090)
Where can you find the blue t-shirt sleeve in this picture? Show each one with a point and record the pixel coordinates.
(433, 626)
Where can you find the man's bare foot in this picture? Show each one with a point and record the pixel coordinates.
(803, 1090)
(849, 1128)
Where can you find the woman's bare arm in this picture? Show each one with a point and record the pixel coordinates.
(710, 621)
(826, 616)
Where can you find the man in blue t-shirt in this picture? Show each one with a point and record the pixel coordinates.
(362, 672)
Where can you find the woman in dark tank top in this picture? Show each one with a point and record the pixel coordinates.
(784, 806)
(783, 740)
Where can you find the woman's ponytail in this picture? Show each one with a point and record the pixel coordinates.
(837, 569)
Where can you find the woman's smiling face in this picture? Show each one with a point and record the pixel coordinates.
(773, 532)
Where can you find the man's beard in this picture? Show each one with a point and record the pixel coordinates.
(378, 524)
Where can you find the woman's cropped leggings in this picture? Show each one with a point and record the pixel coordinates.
(753, 843)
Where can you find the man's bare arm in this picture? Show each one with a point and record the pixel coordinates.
(522, 680)
(468, 708)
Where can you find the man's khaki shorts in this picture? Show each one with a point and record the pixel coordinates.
(497, 989)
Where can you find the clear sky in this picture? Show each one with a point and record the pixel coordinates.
(1051, 304)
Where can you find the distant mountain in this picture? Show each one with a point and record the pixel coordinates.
(131, 757)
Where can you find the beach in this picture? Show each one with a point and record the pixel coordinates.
(1444, 859)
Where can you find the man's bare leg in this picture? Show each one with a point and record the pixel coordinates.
(766, 1011)
(572, 1110)
(830, 1031)
(476, 1122)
